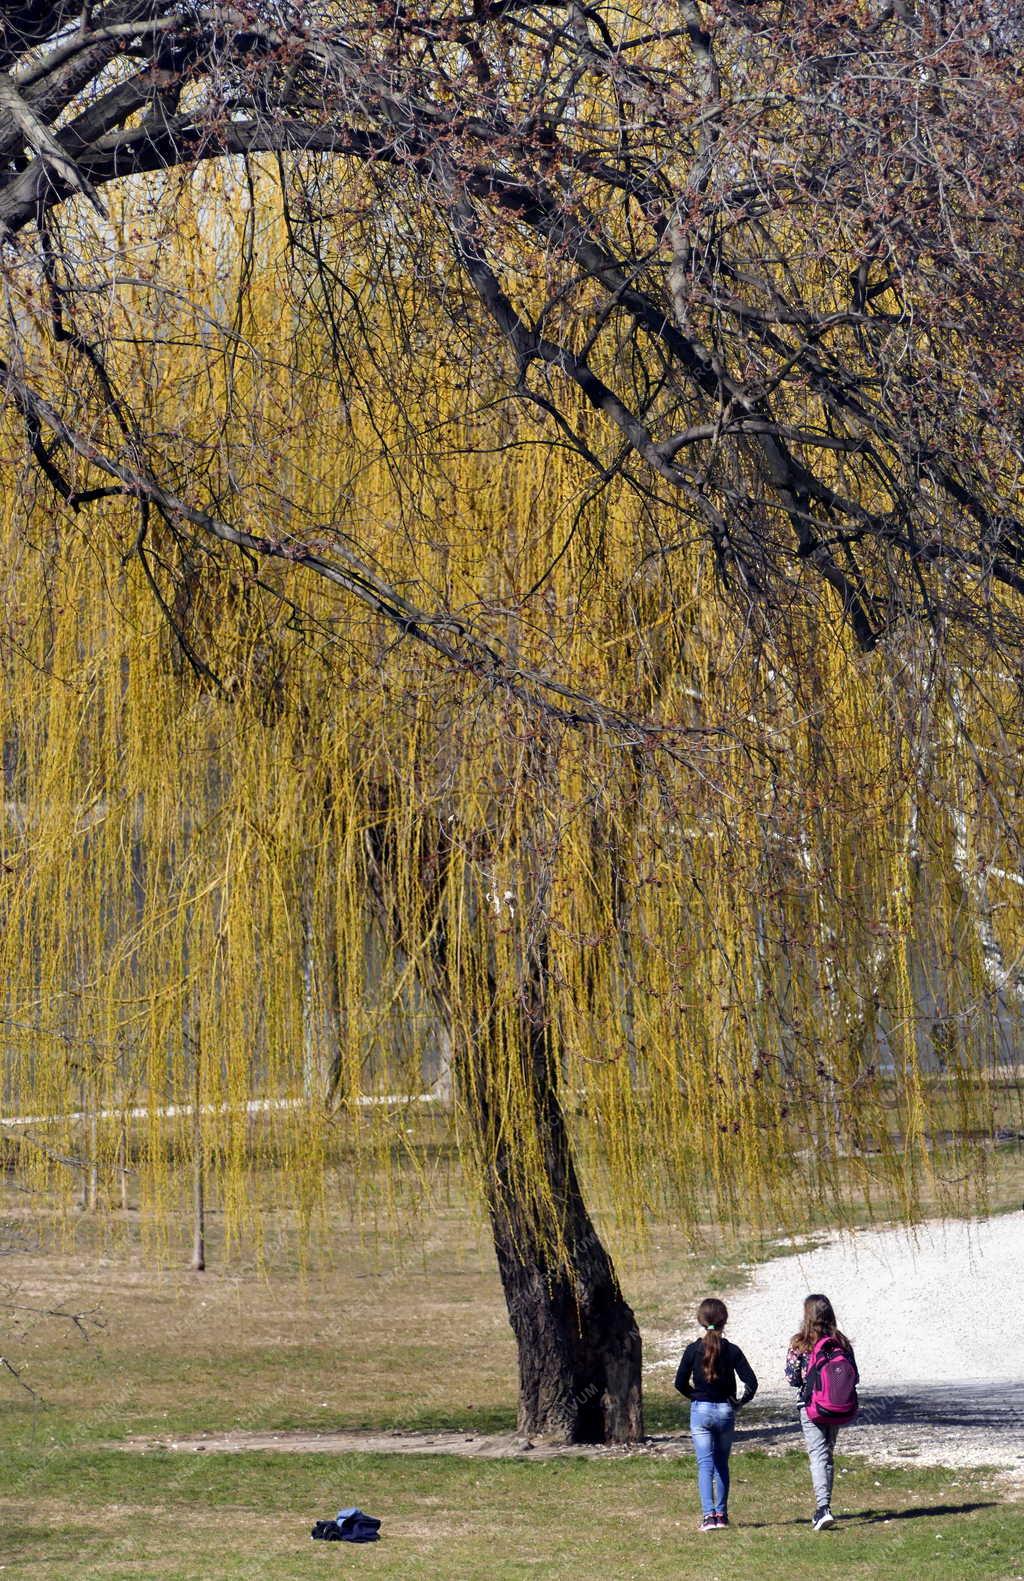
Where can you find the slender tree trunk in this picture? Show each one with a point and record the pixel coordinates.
(90, 1173)
(198, 1210)
(123, 1166)
(94, 1167)
(198, 1166)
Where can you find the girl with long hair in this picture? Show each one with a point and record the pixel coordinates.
(819, 1323)
(707, 1377)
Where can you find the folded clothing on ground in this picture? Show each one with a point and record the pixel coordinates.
(351, 1526)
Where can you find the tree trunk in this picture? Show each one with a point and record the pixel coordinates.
(198, 1164)
(578, 1341)
(123, 1166)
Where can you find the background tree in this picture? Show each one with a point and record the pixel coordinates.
(754, 270)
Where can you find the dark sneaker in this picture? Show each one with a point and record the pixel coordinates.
(708, 1524)
(721, 1519)
(823, 1517)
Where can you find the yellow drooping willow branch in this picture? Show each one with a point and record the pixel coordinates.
(265, 855)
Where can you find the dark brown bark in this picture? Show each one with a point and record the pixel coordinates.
(578, 1342)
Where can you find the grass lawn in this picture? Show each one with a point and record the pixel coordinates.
(88, 1514)
(393, 1331)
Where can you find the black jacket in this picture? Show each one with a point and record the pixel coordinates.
(690, 1379)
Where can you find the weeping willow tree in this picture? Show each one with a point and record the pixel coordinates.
(512, 556)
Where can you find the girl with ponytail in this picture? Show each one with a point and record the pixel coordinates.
(707, 1377)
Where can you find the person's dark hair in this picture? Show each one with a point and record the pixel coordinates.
(819, 1321)
(713, 1315)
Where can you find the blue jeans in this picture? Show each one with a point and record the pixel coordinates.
(711, 1427)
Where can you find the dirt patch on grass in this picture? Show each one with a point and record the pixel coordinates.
(772, 1432)
(483, 1446)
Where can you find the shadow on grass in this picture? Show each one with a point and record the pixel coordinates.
(879, 1517)
(667, 1422)
(918, 1512)
(667, 1418)
(768, 1432)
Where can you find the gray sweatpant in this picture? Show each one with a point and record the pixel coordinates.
(821, 1443)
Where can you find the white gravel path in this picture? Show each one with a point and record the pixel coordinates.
(937, 1318)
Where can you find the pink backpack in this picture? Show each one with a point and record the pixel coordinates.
(830, 1385)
